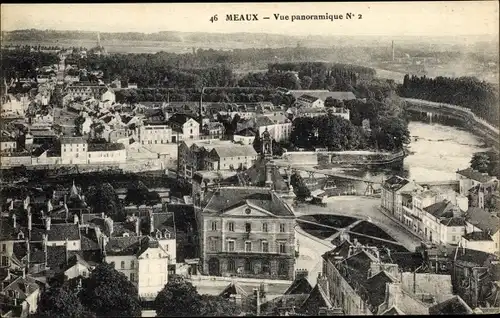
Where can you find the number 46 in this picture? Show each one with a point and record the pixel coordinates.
(214, 18)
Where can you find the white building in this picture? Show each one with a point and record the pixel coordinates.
(142, 259)
(231, 157)
(483, 231)
(113, 153)
(184, 127)
(7, 144)
(73, 150)
(279, 127)
(152, 134)
(392, 190)
(469, 178)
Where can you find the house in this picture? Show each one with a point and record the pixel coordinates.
(12, 106)
(472, 272)
(229, 157)
(355, 279)
(469, 178)
(415, 202)
(7, 144)
(443, 222)
(309, 101)
(192, 153)
(452, 306)
(19, 295)
(184, 127)
(76, 266)
(152, 133)
(244, 137)
(279, 127)
(73, 150)
(142, 259)
(392, 190)
(482, 195)
(213, 130)
(114, 153)
(483, 231)
(246, 232)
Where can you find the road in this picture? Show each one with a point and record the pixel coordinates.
(364, 208)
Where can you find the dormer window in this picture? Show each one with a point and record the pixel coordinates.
(20, 236)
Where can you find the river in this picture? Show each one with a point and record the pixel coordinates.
(436, 152)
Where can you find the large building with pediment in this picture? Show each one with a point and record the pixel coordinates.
(246, 232)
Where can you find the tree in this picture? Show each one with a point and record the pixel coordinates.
(60, 302)
(179, 298)
(103, 198)
(109, 293)
(480, 161)
(78, 125)
(300, 188)
(277, 149)
(137, 193)
(217, 306)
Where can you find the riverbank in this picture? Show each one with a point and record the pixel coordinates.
(342, 158)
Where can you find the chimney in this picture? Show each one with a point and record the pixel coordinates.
(322, 282)
(137, 223)
(49, 206)
(47, 223)
(110, 225)
(14, 223)
(66, 253)
(75, 218)
(28, 251)
(151, 222)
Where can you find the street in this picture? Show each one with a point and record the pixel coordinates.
(364, 208)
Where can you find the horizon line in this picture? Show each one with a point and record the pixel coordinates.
(240, 32)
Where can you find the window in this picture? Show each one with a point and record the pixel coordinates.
(213, 244)
(265, 247)
(282, 227)
(4, 248)
(282, 247)
(230, 246)
(5, 261)
(248, 246)
(453, 238)
(264, 227)
(231, 266)
(266, 267)
(230, 226)
(282, 268)
(123, 265)
(159, 255)
(214, 226)
(248, 265)
(132, 264)
(132, 277)
(248, 227)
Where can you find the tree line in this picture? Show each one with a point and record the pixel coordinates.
(23, 63)
(479, 96)
(98, 296)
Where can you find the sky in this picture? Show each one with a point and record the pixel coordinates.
(447, 18)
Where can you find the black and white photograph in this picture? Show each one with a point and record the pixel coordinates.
(249, 159)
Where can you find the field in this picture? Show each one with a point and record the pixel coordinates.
(147, 46)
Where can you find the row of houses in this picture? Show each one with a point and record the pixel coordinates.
(445, 216)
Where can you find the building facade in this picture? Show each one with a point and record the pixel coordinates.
(246, 232)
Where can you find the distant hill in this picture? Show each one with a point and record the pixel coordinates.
(261, 39)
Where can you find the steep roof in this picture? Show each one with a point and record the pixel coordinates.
(486, 221)
(233, 288)
(235, 150)
(300, 285)
(475, 175)
(477, 236)
(180, 119)
(61, 232)
(73, 140)
(231, 197)
(256, 175)
(395, 183)
(471, 256)
(453, 306)
(375, 289)
(454, 221)
(440, 209)
(316, 299)
(119, 246)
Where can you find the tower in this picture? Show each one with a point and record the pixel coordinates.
(267, 145)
